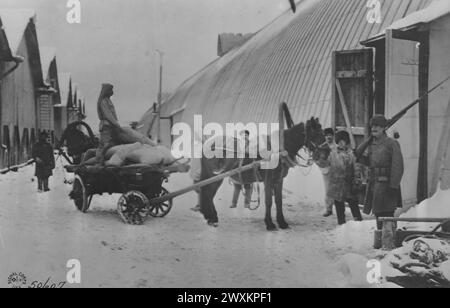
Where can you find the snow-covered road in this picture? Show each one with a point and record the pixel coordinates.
(39, 233)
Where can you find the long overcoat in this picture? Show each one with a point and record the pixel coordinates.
(386, 168)
(44, 151)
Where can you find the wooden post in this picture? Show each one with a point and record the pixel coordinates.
(424, 53)
(388, 235)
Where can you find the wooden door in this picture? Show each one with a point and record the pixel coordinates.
(352, 95)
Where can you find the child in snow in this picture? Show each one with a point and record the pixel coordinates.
(342, 176)
(45, 161)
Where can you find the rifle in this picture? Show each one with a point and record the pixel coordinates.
(362, 148)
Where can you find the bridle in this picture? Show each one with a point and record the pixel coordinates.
(285, 116)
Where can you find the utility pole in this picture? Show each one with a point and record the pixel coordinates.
(158, 120)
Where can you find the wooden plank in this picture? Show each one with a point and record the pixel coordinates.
(345, 112)
(405, 35)
(361, 131)
(351, 74)
(432, 220)
(333, 92)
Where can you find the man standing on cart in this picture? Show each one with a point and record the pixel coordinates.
(109, 123)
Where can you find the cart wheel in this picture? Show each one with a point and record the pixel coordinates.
(162, 209)
(133, 207)
(80, 196)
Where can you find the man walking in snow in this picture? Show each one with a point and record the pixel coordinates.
(42, 153)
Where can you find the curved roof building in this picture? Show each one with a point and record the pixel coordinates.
(289, 60)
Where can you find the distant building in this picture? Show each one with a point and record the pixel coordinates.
(65, 98)
(72, 107)
(47, 100)
(21, 85)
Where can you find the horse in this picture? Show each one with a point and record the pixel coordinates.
(301, 136)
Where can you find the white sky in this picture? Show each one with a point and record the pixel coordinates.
(116, 39)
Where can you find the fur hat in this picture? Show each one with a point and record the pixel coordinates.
(343, 135)
(328, 131)
(379, 120)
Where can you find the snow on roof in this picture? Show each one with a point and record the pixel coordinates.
(436, 10)
(64, 84)
(48, 54)
(14, 24)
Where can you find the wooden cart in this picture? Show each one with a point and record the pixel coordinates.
(141, 187)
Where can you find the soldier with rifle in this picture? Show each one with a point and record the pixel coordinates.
(385, 161)
(383, 156)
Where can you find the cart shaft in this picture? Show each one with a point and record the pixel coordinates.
(204, 183)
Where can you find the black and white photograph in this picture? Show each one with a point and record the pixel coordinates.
(224, 149)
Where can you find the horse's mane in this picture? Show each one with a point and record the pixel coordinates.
(294, 138)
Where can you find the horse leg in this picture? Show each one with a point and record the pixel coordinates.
(278, 189)
(268, 189)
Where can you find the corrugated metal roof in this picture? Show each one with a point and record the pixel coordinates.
(288, 60)
(14, 23)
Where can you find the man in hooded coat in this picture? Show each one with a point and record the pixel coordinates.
(109, 123)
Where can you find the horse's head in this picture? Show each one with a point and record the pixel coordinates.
(304, 138)
(314, 135)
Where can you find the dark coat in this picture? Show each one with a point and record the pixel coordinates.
(44, 151)
(385, 161)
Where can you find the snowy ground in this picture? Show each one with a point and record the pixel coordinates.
(39, 233)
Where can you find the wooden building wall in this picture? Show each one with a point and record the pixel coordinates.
(402, 71)
(406, 80)
(439, 106)
(18, 114)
